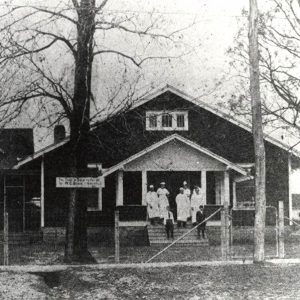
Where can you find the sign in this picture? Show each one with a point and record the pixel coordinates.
(80, 182)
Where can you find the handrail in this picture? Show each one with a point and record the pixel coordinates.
(292, 221)
(185, 234)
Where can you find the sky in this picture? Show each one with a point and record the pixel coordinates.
(202, 70)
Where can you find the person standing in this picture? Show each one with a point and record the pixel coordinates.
(200, 217)
(196, 201)
(152, 205)
(163, 200)
(183, 206)
(187, 192)
(169, 222)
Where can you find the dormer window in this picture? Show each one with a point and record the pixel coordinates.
(167, 120)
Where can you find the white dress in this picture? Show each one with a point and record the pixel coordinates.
(163, 201)
(187, 192)
(196, 201)
(183, 207)
(152, 204)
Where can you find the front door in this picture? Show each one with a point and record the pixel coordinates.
(132, 188)
(174, 180)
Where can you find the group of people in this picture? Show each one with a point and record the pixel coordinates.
(189, 206)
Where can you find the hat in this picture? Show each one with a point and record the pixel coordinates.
(151, 186)
(181, 189)
(162, 182)
(184, 182)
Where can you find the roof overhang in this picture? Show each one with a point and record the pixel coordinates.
(40, 153)
(229, 165)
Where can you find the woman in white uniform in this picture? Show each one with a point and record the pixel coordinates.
(163, 201)
(152, 205)
(196, 201)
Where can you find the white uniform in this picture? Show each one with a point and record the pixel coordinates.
(152, 204)
(187, 192)
(163, 201)
(183, 207)
(196, 201)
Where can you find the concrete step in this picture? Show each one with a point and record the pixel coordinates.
(181, 242)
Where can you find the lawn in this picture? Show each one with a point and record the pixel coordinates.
(44, 254)
(207, 282)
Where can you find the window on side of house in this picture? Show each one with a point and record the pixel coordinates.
(167, 120)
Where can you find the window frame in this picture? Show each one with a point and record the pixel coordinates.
(174, 115)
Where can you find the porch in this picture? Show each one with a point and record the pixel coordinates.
(174, 160)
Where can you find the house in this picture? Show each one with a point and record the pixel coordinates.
(18, 191)
(168, 136)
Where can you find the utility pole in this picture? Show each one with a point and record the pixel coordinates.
(258, 139)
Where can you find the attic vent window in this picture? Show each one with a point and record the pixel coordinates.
(167, 120)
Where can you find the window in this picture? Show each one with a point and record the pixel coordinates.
(153, 121)
(180, 120)
(167, 120)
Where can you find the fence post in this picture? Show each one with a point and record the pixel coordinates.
(117, 237)
(5, 240)
(281, 229)
(225, 236)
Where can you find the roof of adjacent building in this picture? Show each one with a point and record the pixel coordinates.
(15, 145)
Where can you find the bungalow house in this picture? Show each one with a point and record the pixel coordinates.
(167, 136)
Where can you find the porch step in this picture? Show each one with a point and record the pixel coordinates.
(157, 236)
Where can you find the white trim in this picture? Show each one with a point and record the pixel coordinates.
(290, 191)
(172, 137)
(42, 192)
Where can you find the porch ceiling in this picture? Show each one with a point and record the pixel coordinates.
(175, 153)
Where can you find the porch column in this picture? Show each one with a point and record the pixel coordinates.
(226, 189)
(203, 185)
(42, 192)
(234, 193)
(119, 188)
(144, 186)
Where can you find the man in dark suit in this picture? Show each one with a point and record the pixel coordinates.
(200, 217)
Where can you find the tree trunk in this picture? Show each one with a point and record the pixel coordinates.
(76, 234)
(259, 149)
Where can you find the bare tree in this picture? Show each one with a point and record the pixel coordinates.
(258, 138)
(50, 52)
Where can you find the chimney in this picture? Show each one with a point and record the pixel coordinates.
(59, 133)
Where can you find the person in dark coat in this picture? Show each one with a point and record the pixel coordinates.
(200, 217)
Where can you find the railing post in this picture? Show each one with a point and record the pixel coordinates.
(280, 229)
(5, 240)
(117, 237)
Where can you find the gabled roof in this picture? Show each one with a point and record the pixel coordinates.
(177, 137)
(183, 95)
(212, 109)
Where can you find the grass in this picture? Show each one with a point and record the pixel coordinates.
(45, 254)
(219, 282)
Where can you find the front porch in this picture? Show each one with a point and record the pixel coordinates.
(174, 160)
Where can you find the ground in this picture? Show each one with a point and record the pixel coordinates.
(206, 282)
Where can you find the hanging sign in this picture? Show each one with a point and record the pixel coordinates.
(80, 182)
